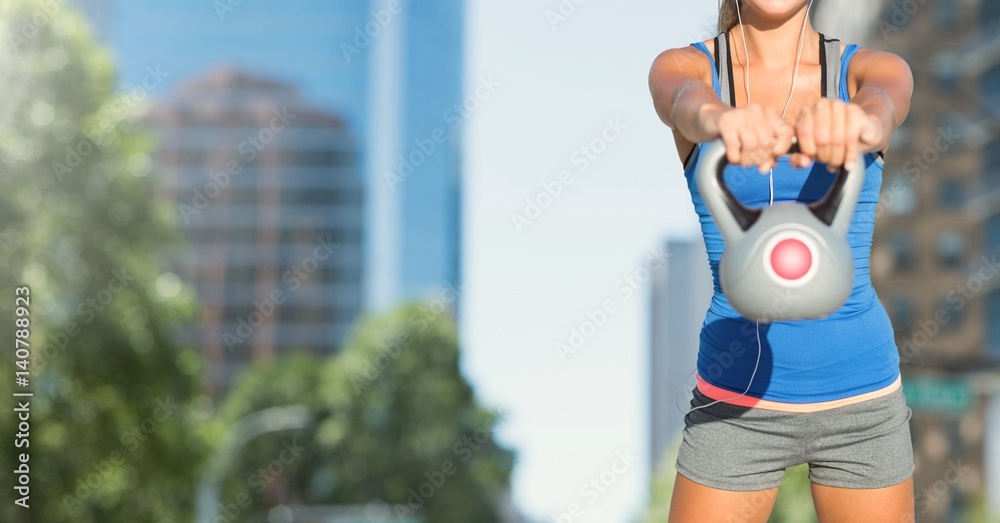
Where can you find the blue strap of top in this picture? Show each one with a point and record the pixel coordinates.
(844, 93)
(715, 75)
(849, 53)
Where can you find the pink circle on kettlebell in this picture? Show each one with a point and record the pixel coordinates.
(791, 259)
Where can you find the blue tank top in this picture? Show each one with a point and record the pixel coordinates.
(850, 352)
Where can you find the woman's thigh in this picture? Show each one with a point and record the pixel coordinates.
(882, 505)
(695, 503)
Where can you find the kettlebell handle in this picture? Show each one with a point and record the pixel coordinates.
(839, 201)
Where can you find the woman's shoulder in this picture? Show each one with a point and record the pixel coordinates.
(687, 60)
(866, 62)
(876, 57)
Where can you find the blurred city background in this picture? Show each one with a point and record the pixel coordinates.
(428, 261)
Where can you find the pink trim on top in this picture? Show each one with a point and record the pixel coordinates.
(733, 398)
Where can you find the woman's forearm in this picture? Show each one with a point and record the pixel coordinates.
(695, 113)
(878, 105)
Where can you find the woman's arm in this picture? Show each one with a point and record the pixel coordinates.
(680, 82)
(883, 88)
(834, 132)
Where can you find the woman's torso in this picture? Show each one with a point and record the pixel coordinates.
(848, 354)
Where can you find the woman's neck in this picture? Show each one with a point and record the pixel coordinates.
(772, 43)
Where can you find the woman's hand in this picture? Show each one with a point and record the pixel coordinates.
(833, 132)
(754, 135)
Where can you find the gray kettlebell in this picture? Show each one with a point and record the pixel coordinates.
(787, 261)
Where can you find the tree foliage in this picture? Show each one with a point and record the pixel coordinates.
(115, 414)
(396, 426)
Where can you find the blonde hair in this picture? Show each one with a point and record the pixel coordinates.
(728, 16)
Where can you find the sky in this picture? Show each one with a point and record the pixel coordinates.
(572, 96)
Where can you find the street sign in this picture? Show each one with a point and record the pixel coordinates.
(938, 395)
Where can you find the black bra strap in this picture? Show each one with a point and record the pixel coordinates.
(829, 56)
(829, 59)
(725, 64)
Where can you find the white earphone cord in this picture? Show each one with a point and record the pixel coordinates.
(746, 84)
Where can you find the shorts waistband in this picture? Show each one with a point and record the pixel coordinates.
(727, 396)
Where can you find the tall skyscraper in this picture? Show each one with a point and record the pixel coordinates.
(271, 202)
(415, 149)
(938, 235)
(384, 83)
(681, 293)
(391, 70)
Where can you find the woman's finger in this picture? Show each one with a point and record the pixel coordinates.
(870, 133)
(821, 128)
(853, 124)
(731, 137)
(804, 131)
(748, 139)
(838, 138)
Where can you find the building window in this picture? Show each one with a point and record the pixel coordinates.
(991, 236)
(242, 196)
(321, 196)
(946, 14)
(237, 274)
(952, 313)
(951, 194)
(319, 157)
(946, 72)
(989, 12)
(899, 194)
(951, 249)
(901, 312)
(991, 165)
(903, 250)
(902, 137)
(955, 123)
(993, 324)
(990, 84)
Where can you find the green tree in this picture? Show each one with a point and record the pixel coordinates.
(395, 424)
(115, 413)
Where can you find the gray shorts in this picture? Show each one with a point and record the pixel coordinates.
(865, 445)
